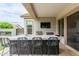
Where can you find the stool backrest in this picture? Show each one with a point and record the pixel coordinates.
(53, 41)
(52, 38)
(37, 41)
(22, 41)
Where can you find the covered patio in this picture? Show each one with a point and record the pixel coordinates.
(47, 30)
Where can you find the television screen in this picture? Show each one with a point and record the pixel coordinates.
(45, 25)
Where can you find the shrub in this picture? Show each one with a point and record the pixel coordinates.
(6, 25)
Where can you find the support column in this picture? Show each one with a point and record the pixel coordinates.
(57, 26)
(65, 29)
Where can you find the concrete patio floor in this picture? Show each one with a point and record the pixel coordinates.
(64, 51)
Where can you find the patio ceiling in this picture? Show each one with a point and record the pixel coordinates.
(45, 9)
(30, 9)
(49, 9)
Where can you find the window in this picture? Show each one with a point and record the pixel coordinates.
(29, 27)
(61, 27)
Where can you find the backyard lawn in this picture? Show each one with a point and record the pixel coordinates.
(1, 47)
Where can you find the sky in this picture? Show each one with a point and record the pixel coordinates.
(11, 12)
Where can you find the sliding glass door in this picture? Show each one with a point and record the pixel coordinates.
(73, 30)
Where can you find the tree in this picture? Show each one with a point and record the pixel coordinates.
(6, 25)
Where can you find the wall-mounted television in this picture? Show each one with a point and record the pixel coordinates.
(45, 25)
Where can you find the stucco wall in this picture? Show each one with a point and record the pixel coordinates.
(36, 24)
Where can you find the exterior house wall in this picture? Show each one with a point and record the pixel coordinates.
(70, 10)
(13, 31)
(19, 31)
(36, 25)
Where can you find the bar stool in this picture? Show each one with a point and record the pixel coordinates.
(23, 46)
(37, 45)
(53, 46)
(13, 47)
(45, 47)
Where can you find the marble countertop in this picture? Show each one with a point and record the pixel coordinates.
(45, 37)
